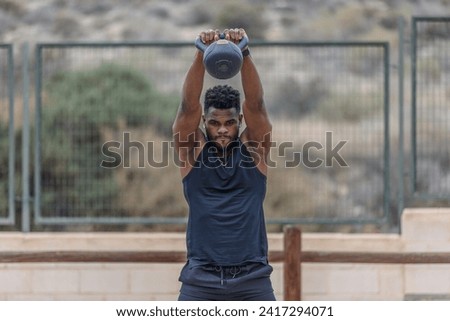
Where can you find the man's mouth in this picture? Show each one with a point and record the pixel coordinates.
(222, 138)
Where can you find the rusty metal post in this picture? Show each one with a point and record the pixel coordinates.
(292, 264)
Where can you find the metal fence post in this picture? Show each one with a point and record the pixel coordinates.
(25, 142)
(37, 134)
(12, 149)
(401, 192)
(387, 156)
(413, 105)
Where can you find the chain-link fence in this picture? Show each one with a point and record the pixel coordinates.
(431, 109)
(105, 111)
(329, 105)
(101, 131)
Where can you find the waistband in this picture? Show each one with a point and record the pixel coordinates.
(227, 270)
(211, 278)
(192, 262)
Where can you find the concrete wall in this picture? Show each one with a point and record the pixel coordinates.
(423, 230)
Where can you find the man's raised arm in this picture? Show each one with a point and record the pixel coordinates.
(186, 133)
(259, 128)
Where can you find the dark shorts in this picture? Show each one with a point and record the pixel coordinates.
(249, 282)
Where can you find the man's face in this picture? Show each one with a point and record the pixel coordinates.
(222, 125)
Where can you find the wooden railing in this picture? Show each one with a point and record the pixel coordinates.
(292, 258)
(295, 257)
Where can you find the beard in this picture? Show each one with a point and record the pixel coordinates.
(222, 142)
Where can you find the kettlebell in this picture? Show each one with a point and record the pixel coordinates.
(222, 58)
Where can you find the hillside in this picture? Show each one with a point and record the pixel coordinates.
(141, 20)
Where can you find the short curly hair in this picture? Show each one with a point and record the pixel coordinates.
(222, 97)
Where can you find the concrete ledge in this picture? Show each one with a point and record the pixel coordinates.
(105, 241)
(426, 229)
(12, 241)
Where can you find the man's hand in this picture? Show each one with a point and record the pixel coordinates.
(235, 35)
(209, 36)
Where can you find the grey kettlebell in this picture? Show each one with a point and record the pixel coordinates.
(222, 59)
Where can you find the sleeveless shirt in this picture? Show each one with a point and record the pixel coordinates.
(226, 224)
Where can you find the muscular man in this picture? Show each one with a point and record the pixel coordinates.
(224, 179)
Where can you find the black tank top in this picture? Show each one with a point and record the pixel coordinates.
(226, 219)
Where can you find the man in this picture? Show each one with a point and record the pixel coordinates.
(224, 180)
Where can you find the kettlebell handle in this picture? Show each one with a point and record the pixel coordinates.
(202, 47)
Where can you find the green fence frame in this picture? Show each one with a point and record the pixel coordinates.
(387, 215)
(415, 194)
(40, 220)
(9, 219)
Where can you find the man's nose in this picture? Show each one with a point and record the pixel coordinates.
(222, 130)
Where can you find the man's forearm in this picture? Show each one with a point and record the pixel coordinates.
(193, 84)
(251, 84)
